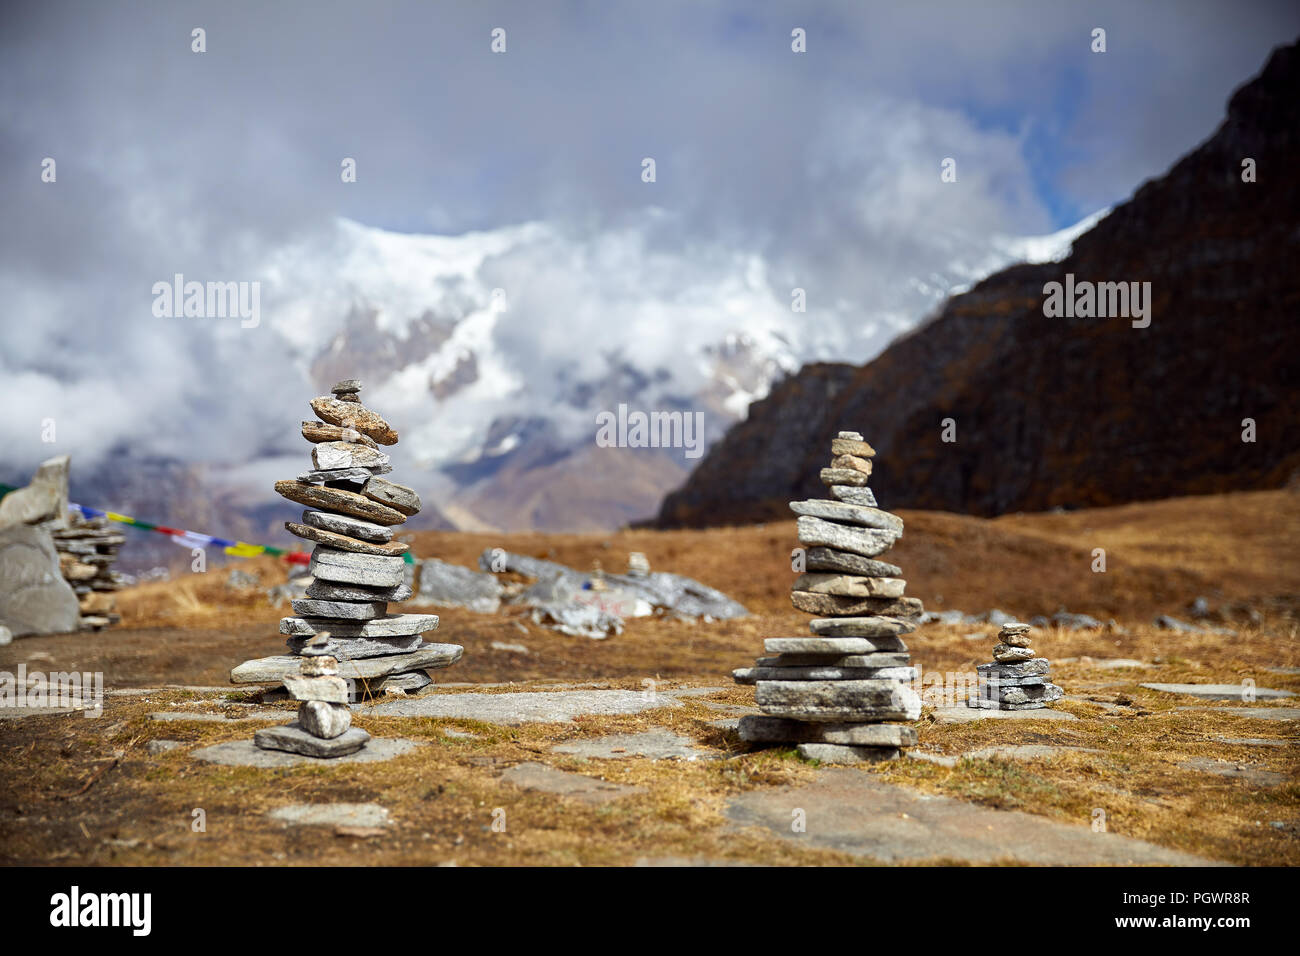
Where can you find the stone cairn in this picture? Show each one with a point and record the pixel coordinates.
(356, 570)
(87, 552)
(324, 725)
(832, 693)
(1016, 680)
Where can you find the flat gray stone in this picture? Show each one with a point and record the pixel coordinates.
(846, 513)
(332, 591)
(1221, 691)
(765, 729)
(354, 648)
(523, 708)
(321, 719)
(161, 746)
(860, 814)
(882, 659)
(391, 625)
(658, 744)
(849, 585)
(867, 542)
(845, 754)
(575, 786)
(244, 753)
(348, 567)
(1036, 667)
(273, 670)
(353, 476)
(293, 739)
(346, 524)
(1025, 752)
(1255, 713)
(34, 597)
(331, 690)
(877, 628)
(329, 455)
(390, 493)
(846, 701)
(337, 610)
(854, 495)
(451, 585)
(1227, 768)
(838, 646)
(749, 675)
(964, 715)
(844, 562)
(1257, 741)
(333, 815)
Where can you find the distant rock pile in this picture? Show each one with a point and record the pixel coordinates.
(55, 568)
(356, 566)
(87, 550)
(1017, 679)
(832, 693)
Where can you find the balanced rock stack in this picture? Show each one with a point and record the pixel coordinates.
(356, 567)
(87, 550)
(1016, 680)
(324, 725)
(833, 693)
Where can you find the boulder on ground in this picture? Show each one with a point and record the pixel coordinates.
(34, 597)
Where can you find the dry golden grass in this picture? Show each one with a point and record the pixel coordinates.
(1232, 548)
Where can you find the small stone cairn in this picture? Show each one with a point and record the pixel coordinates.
(87, 550)
(833, 693)
(324, 725)
(1016, 680)
(356, 570)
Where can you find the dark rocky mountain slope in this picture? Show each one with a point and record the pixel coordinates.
(1074, 412)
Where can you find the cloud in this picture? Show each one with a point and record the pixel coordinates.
(775, 170)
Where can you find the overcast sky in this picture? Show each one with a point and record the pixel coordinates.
(822, 164)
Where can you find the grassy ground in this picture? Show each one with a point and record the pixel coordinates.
(87, 791)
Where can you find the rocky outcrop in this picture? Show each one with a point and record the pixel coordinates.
(1074, 412)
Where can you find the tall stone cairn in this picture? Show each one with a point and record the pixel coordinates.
(1017, 679)
(834, 694)
(356, 568)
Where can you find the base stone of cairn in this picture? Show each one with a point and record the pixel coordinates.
(1016, 680)
(356, 570)
(833, 694)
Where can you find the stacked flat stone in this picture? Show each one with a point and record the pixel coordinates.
(1016, 680)
(324, 725)
(834, 694)
(87, 550)
(356, 567)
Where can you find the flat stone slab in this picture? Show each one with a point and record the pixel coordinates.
(294, 739)
(1025, 752)
(846, 754)
(867, 542)
(658, 744)
(543, 707)
(391, 625)
(964, 714)
(1229, 768)
(346, 524)
(1255, 713)
(333, 815)
(846, 513)
(345, 502)
(828, 559)
(272, 670)
(765, 729)
(878, 628)
(838, 701)
(338, 610)
(354, 648)
(833, 646)
(1221, 691)
(576, 786)
(245, 753)
(857, 813)
(1257, 741)
(348, 567)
